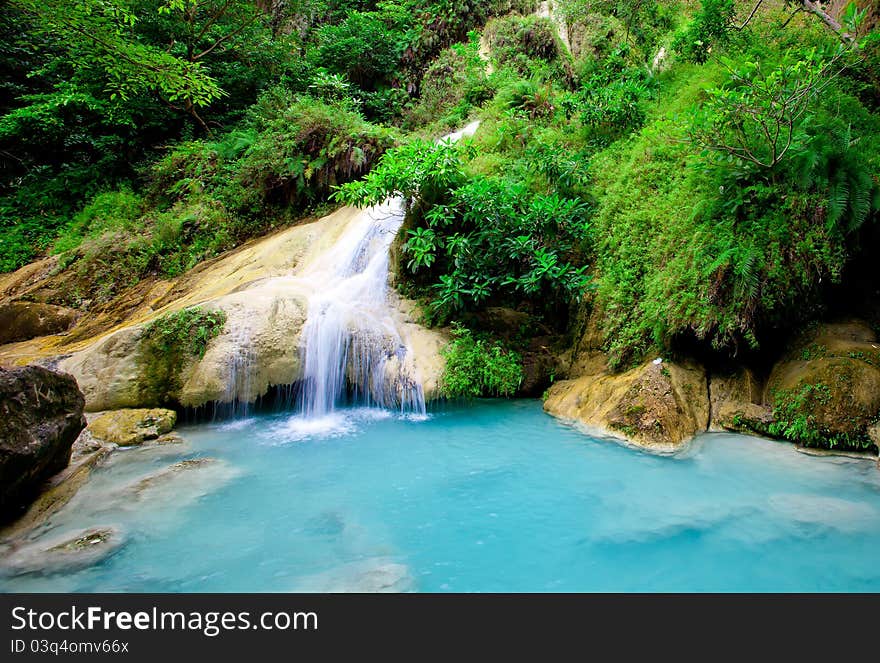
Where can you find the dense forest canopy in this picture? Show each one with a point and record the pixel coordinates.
(701, 171)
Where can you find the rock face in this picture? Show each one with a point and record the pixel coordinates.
(132, 426)
(265, 303)
(658, 405)
(41, 415)
(736, 399)
(20, 321)
(836, 367)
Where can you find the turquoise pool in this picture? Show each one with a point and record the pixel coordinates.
(496, 496)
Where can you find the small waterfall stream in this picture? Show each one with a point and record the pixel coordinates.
(350, 343)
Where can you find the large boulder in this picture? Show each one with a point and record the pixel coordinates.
(827, 385)
(20, 321)
(659, 405)
(41, 415)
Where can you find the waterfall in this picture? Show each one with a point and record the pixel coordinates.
(350, 342)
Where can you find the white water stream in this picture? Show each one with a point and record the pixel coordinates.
(350, 344)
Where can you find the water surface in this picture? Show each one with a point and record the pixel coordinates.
(493, 497)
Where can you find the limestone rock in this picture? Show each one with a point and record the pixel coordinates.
(109, 371)
(259, 346)
(658, 405)
(736, 401)
(424, 346)
(132, 426)
(265, 304)
(41, 415)
(20, 321)
(874, 433)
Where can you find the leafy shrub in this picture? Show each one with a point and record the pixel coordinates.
(113, 211)
(309, 148)
(478, 239)
(479, 367)
(710, 25)
(186, 332)
(363, 47)
(291, 155)
(452, 86)
(525, 44)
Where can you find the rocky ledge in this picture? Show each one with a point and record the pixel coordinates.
(823, 390)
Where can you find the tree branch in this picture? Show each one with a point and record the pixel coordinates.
(229, 35)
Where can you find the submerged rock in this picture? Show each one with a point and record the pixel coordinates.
(658, 405)
(87, 454)
(377, 575)
(21, 321)
(132, 426)
(64, 554)
(41, 415)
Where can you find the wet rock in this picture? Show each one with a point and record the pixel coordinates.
(157, 480)
(132, 426)
(41, 415)
(659, 405)
(424, 346)
(64, 554)
(541, 366)
(21, 321)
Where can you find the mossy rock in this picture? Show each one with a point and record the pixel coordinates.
(132, 426)
(826, 390)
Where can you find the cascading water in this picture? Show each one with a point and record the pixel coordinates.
(350, 341)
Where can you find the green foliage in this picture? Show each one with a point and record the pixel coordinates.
(365, 48)
(98, 32)
(612, 98)
(96, 86)
(479, 239)
(452, 87)
(760, 113)
(519, 41)
(641, 24)
(723, 249)
(307, 149)
(112, 212)
(479, 367)
(710, 26)
(171, 343)
(293, 152)
(185, 333)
